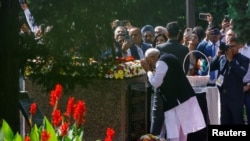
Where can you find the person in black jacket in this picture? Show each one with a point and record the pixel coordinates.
(180, 104)
(173, 46)
(232, 67)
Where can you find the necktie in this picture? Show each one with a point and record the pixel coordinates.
(213, 50)
(212, 74)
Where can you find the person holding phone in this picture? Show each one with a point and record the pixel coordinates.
(226, 24)
(120, 42)
(187, 35)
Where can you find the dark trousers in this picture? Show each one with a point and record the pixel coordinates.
(231, 109)
(201, 135)
(157, 114)
(247, 105)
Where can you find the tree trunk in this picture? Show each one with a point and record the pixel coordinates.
(9, 57)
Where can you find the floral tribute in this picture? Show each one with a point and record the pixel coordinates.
(125, 68)
(120, 68)
(64, 126)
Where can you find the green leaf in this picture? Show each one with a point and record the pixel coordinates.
(66, 139)
(34, 134)
(49, 128)
(77, 138)
(18, 137)
(6, 131)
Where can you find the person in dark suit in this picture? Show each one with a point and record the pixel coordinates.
(180, 104)
(173, 46)
(232, 67)
(138, 47)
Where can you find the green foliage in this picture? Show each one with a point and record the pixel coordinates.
(49, 128)
(6, 132)
(81, 30)
(18, 137)
(239, 11)
(35, 134)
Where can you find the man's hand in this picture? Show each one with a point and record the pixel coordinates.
(24, 6)
(125, 46)
(224, 25)
(145, 65)
(229, 55)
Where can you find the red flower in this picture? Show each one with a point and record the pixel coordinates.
(53, 98)
(129, 58)
(70, 107)
(110, 132)
(58, 90)
(55, 94)
(79, 113)
(64, 129)
(45, 135)
(56, 117)
(27, 138)
(33, 108)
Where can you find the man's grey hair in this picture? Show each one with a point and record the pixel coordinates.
(162, 29)
(151, 52)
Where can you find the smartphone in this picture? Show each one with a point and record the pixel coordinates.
(203, 16)
(122, 23)
(127, 38)
(189, 31)
(226, 18)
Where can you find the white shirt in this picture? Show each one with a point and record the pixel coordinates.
(139, 50)
(31, 21)
(179, 115)
(246, 52)
(156, 78)
(216, 47)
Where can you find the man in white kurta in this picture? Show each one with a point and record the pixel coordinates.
(182, 113)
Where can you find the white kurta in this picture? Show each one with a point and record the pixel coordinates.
(186, 116)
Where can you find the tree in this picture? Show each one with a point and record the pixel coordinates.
(83, 28)
(239, 11)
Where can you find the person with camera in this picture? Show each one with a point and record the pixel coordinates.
(138, 47)
(232, 67)
(121, 41)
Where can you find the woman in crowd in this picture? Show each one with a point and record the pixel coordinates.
(159, 39)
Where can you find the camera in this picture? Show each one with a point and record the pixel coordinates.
(223, 48)
(203, 16)
(127, 38)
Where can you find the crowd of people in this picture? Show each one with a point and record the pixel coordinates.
(162, 51)
(177, 112)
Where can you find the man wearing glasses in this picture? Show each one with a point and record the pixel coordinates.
(232, 67)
